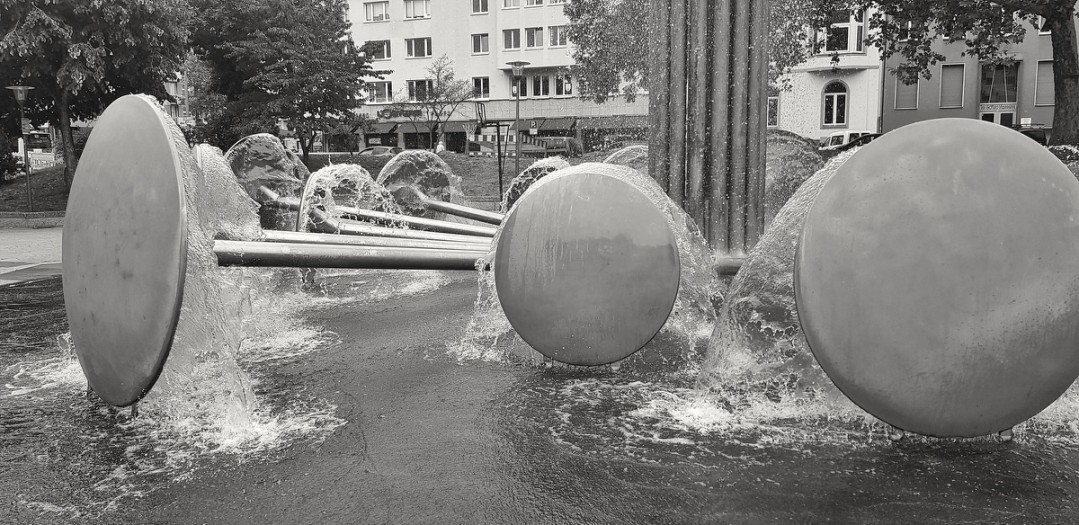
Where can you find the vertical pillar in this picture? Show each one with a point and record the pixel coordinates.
(709, 70)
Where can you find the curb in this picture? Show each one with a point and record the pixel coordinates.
(24, 220)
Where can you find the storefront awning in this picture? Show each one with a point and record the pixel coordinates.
(454, 127)
(414, 127)
(379, 128)
(614, 122)
(558, 124)
(528, 123)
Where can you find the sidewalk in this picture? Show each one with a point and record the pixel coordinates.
(27, 254)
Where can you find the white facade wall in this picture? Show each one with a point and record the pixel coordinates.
(801, 108)
(451, 26)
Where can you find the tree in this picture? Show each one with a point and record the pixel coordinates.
(80, 56)
(434, 100)
(987, 27)
(272, 60)
(608, 53)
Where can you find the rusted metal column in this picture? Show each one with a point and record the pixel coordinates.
(713, 107)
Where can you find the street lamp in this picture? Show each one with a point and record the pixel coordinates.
(21, 92)
(518, 68)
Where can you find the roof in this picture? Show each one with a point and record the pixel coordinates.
(415, 127)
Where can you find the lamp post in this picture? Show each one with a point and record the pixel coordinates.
(21, 92)
(518, 68)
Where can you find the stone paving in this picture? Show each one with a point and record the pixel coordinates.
(27, 254)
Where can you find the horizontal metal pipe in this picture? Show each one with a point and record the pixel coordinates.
(295, 255)
(325, 223)
(420, 222)
(268, 197)
(464, 211)
(467, 212)
(356, 240)
(729, 265)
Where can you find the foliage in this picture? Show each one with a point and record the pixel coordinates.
(272, 60)
(8, 164)
(987, 28)
(608, 52)
(438, 101)
(81, 55)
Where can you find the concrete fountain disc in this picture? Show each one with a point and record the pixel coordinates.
(125, 250)
(586, 268)
(937, 277)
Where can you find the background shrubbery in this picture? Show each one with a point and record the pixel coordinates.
(9, 166)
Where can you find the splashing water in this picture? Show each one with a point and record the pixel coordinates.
(347, 185)
(524, 180)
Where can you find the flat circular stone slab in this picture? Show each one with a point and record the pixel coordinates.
(586, 268)
(125, 250)
(937, 278)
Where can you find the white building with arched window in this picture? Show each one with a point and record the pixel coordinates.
(838, 88)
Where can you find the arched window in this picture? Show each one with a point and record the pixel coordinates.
(835, 104)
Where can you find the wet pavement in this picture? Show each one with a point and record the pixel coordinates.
(29, 254)
(426, 436)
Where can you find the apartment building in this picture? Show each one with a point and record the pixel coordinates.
(1014, 93)
(838, 88)
(482, 37)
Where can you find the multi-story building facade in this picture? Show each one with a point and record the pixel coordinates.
(1019, 92)
(482, 37)
(837, 89)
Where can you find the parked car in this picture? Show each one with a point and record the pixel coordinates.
(839, 138)
(860, 141)
(1038, 132)
(564, 146)
(379, 151)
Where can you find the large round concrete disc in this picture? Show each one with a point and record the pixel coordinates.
(125, 251)
(937, 278)
(586, 268)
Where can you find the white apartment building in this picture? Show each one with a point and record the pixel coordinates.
(827, 96)
(481, 37)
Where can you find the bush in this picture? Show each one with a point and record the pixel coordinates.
(9, 165)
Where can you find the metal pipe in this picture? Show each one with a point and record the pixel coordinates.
(678, 83)
(659, 140)
(729, 265)
(467, 212)
(420, 222)
(325, 223)
(697, 118)
(717, 226)
(354, 240)
(295, 255)
(738, 190)
(268, 197)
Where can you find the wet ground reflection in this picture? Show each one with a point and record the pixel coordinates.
(426, 437)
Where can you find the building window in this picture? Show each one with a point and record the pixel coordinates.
(379, 92)
(1043, 26)
(556, 1)
(773, 112)
(999, 83)
(845, 34)
(533, 2)
(380, 49)
(481, 87)
(541, 86)
(534, 36)
(417, 8)
(418, 47)
(562, 85)
(511, 39)
(376, 11)
(952, 77)
(480, 44)
(835, 104)
(522, 87)
(906, 95)
(511, 3)
(418, 90)
(1044, 94)
(559, 36)
(479, 6)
